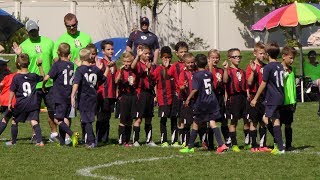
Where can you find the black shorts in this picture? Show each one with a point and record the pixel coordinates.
(128, 108)
(87, 116)
(255, 114)
(145, 105)
(286, 113)
(186, 115)
(61, 111)
(47, 97)
(26, 116)
(176, 106)
(106, 105)
(201, 117)
(272, 111)
(237, 107)
(167, 111)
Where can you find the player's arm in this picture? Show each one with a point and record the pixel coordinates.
(45, 80)
(73, 94)
(10, 100)
(156, 56)
(250, 73)
(118, 76)
(135, 61)
(225, 72)
(106, 72)
(191, 95)
(39, 64)
(16, 48)
(259, 92)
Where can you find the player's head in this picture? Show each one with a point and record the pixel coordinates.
(93, 49)
(259, 51)
(312, 56)
(181, 48)
(201, 61)
(23, 61)
(288, 55)
(273, 50)
(85, 55)
(64, 50)
(165, 54)
(32, 29)
(188, 59)
(234, 55)
(107, 48)
(144, 24)
(146, 52)
(214, 56)
(127, 59)
(71, 23)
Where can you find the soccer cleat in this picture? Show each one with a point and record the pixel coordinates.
(136, 144)
(165, 144)
(275, 148)
(175, 145)
(254, 150)
(40, 144)
(277, 152)
(127, 145)
(74, 139)
(235, 148)
(151, 144)
(221, 149)
(290, 148)
(67, 141)
(264, 149)
(183, 145)
(33, 139)
(187, 150)
(9, 144)
(247, 147)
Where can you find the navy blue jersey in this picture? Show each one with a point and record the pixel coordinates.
(273, 76)
(87, 78)
(206, 100)
(138, 37)
(62, 73)
(24, 88)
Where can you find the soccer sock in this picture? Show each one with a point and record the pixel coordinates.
(193, 136)
(62, 136)
(202, 133)
(217, 135)
(148, 130)
(187, 133)
(83, 129)
(278, 136)
(127, 133)
(37, 131)
(225, 132)
(2, 127)
(271, 130)
(99, 130)
(263, 136)
(122, 135)
(136, 133)
(89, 131)
(163, 129)
(181, 134)
(175, 135)
(14, 133)
(173, 124)
(246, 136)
(105, 137)
(66, 128)
(210, 138)
(288, 134)
(253, 138)
(233, 137)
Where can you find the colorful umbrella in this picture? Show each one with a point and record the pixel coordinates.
(8, 25)
(292, 15)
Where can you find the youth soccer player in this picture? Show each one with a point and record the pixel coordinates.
(235, 80)
(272, 83)
(85, 82)
(206, 106)
(165, 90)
(23, 87)
(127, 81)
(62, 73)
(288, 109)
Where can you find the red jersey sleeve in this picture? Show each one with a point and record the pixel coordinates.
(248, 71)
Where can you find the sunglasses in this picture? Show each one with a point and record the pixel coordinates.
(236, 57)
(72, 25)
(147, 24)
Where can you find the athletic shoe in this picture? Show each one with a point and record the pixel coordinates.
(136, 144)
(221, 149)
(204, 145)
(165, 144)
(275, 149)
(74, 139)
(9, 144)
(183, 145)
(290, 148)
(53, 137)
(187, 150)
(33, 139)
(247, 147)
(277, 152)
(175, 145)
(67, 141)
(235, 148)
(93, 145)
(127, 145)
(264, 149)
(151, 144)
(40, 144)
(254, 150)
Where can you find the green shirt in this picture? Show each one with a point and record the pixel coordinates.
(289, 85)
(312, 71)
(39, 49)
(78, 41)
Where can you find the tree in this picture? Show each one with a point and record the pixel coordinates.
(271, 3)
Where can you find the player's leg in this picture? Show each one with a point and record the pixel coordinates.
(217, 134)
(48, 100)
(174, 131)
(273, 113)
(34, 120)
(6, 116)
(193, 136)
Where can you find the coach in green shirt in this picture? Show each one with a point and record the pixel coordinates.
(76, 39)
(39, 47)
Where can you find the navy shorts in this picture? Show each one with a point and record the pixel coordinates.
(145, 104)
(26, 116)
(87, 116)
(201, 117)
(47, 97)
(62, 111)
(255, 114)
(128, 108)
(286, 113)
(272, 111)
(237, 107)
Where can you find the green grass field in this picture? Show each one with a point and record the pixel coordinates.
(25, 161)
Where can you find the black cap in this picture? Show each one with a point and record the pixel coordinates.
(144, 20)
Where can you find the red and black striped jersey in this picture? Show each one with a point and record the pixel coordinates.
(108, 88)
(174, 71)
(128, 83)
(237, 81)
(218, 85)
(257, 77)
(185, 76)
(144, 73)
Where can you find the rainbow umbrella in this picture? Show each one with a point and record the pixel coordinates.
(291, 15)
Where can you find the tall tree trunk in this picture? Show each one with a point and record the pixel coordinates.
(154, 15)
